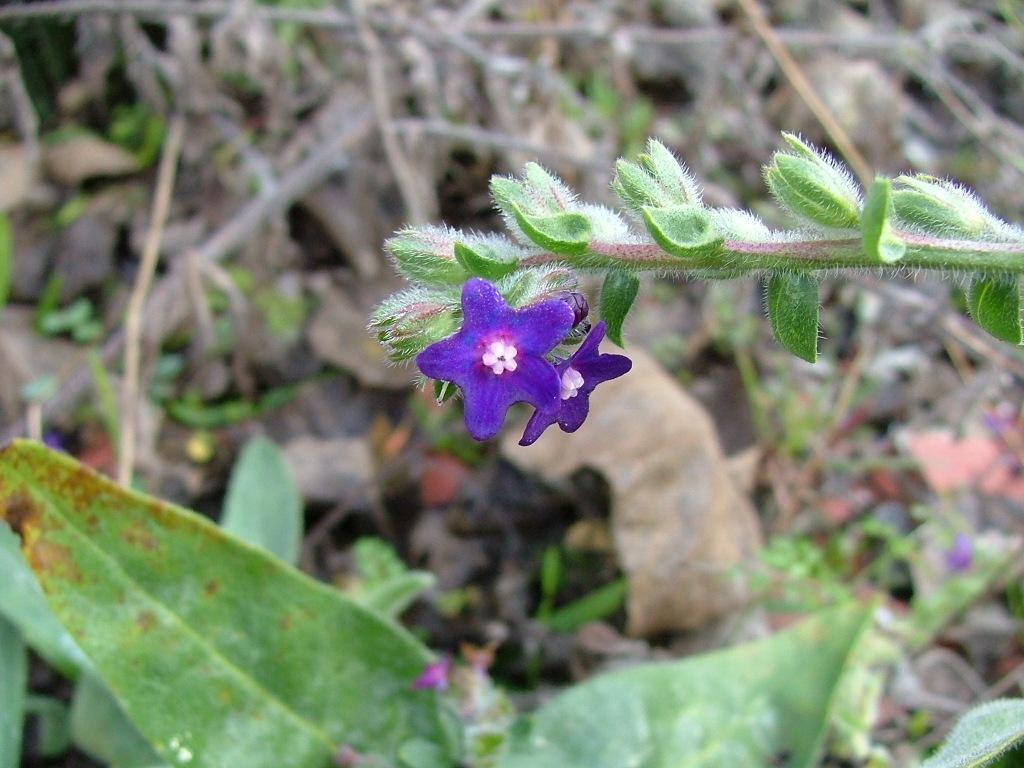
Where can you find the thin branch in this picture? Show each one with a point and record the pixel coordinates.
(806, 91)
(409, 182)
(143, 281)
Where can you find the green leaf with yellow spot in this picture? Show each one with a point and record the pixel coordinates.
(219, 653)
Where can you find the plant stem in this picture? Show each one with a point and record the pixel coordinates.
(738, 257)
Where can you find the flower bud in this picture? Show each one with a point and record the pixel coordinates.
(578, 304)
(656, 180)
(408, 322)
(941, 207)
(813, 187)
(427, 254)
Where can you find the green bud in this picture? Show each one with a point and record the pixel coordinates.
(488, 260)
(940, 207)
(686, 231)
(408, 322)
(656, 180)
(427, 254)
(534, 284)
(542, 210)
(814, 190)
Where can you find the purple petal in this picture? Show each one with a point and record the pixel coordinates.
(588, 347)
(446, 359)
(960, 555)
(602, 368)
(535, 427)
(540, 327)
(487, 399)
(537, 383)
(434, 676)
(482, 306)
(574, 412)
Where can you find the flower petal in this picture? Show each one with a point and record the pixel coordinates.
(536, 426)
(446, 360)
(540, 327)
(487, 397)
(574, 411)
(482, 306)
(588, 347)
(600, 369)
(537, 383)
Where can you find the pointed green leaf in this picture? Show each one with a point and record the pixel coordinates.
(744, 706)
(263, 506)
(594, 606)
(391, 597)
(982, 735)
(483, 262)
(792, 303)
(266, 666)
(995, 306)
(617, 296)
(13, 679)
(564, 233)
(880, 242)
(685, 231)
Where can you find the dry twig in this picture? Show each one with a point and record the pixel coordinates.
(143, 282)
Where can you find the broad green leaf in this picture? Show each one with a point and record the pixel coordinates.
(387, 585)
(6, 258)
(982, 735)
(685, 231)
(220, 654)
(483, 262)
(23, 604)
(53, 724)
(263, 506)
(100, 728)
(617, 296)
(747, 706)
(13, 679)
(563, 233)
(995, 306)
(880, 242)
(599, 604)
(792, 303)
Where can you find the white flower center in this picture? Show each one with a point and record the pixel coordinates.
(571, 383)
(500, 357)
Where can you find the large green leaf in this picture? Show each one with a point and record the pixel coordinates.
(13, 678)
(219, 654)
(761, 704)
(984, 733)
(791, 300)
(263, 506)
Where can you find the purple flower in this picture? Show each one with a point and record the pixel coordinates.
(959, 556)
(578, 377)
(434, 676)
(497, 357)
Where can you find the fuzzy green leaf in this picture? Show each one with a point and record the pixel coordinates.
(263, 506)
(813, 190)
(563, 233)
(879, 240)
(483, 262)
(267, 667)
(740, 707)
(995, 306)
(617, 296)
(685, 231)
(982, 735)
(792, 303)
(13, 678)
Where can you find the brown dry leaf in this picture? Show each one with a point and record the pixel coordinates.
(949, 463)
(84, 156)
(680, 526)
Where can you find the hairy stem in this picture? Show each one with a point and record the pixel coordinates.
(738, 256)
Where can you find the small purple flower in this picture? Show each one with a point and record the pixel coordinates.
(960, 555)
(497, 357)
(578, 377)
(53, 440)
(434, 676)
